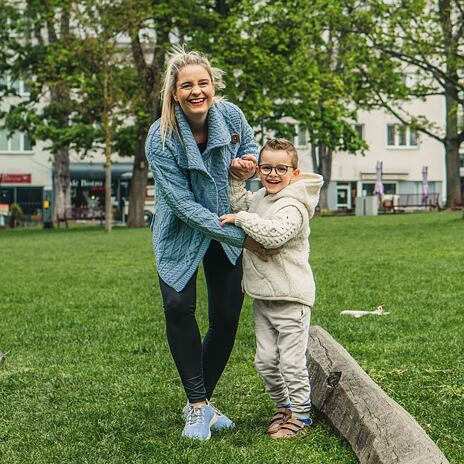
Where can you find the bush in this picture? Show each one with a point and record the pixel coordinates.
(16, 215)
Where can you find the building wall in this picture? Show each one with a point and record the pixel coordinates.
(402, 165)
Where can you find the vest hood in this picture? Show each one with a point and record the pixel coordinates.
(305, 189)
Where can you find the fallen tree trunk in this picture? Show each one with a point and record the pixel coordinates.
(378, 429)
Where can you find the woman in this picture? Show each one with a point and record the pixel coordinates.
(191, 148)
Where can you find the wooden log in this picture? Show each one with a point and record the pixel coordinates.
(378, 429)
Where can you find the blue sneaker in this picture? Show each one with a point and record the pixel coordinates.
(222, 423)
(199, 421)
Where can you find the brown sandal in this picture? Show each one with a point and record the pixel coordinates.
(281, 416)
(290, 429)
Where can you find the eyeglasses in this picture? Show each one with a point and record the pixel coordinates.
(280, 169)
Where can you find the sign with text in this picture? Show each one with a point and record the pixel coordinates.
(15, 178)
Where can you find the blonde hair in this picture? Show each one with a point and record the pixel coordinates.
(178, 58)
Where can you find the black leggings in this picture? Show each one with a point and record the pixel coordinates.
(201, 365)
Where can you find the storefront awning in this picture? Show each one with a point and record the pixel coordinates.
(97, 171)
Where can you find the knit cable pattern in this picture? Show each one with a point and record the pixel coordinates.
(275, 232)
(192, 191)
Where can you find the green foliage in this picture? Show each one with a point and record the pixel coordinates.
(16, 215)
(287, 61)
(16, 212)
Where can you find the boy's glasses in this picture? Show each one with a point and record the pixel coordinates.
(280, 169)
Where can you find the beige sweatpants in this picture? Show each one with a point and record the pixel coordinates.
(282, 330)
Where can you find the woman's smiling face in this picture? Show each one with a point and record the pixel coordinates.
(194, 91)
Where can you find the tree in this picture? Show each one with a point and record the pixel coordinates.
(425, 37)
(286, 61)
(101, 81)
(37, 43)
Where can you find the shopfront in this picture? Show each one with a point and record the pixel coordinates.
(15, 188)
(88, 189)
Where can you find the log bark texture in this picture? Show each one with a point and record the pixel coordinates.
(378, 429)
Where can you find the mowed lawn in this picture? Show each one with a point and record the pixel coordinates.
(89, 378)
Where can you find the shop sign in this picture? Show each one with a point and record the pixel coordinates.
(90, 183)
(15, 178)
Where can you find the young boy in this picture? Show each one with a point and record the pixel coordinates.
(277, 216)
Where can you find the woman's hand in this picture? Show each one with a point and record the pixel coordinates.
(256, 248)
(243, 168)
(227, 219)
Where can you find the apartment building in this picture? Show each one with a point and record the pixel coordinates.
(403, 153)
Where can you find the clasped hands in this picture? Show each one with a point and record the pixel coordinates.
(242, 169)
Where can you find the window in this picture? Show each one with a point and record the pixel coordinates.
(301, 137)
(359, 128)
(20, 86)
(17, 143)
(410, 80)
(389, 188)
(401, 136)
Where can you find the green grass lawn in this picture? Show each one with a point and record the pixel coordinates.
(89, 378)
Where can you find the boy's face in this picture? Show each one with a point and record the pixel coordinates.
(277, 179)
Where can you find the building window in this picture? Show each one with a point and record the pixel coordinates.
(20, 86)
(389, 188)
(18, 142)
(301, 137)
(401, 136)
(359, 128)
(410, 80)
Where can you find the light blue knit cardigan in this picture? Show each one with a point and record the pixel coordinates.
(192, 191)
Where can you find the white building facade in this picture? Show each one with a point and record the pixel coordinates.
(403, 153)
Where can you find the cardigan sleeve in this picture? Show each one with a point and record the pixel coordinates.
(239, 196)
(275, 232)
(175, 186)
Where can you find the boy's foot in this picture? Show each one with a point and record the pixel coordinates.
(199, 421)
(222, 423)
(280, 417)
(293, 428)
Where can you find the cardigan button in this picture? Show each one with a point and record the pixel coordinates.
(235, 138)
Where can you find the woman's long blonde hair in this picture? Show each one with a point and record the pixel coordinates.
(178, 58)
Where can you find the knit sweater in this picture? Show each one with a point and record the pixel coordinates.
(278, 220)
(191, 190)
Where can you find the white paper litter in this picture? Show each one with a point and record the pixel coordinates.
(379, 311)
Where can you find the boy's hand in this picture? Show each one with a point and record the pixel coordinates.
(227, 219)
(243, 168)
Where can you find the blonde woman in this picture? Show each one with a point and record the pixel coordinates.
(191, 149)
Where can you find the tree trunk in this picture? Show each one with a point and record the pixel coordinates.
(108, 206)
(453, 180)
(138, 185)
(378, 429)
(325, 170)
(451, 142)
(62, 185)
(107, 131)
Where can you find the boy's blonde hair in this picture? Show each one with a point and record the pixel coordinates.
(178, 58)
(282, 144)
